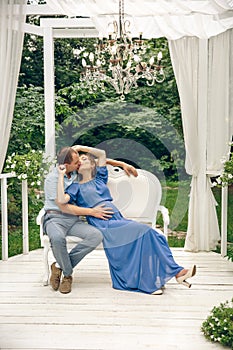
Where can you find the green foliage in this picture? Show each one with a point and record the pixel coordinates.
(31, 70)
(31, 166)
(113, 122)
(226, 177)
(28, 122)
(15, 238)
(230, 251)
(176, 242)
(218, 327)
(67, 68)
(176, 198)
(217, 195)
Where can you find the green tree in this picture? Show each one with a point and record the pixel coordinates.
(28, 122)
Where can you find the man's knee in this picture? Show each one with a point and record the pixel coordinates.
(57, 240)
(97, 238)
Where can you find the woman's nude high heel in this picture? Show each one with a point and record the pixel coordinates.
(190, 273)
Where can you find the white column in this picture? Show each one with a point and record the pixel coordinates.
(25, 216)
(49, 93)
(224, 221)
(202, 96)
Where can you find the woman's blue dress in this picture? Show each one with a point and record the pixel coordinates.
(139, 257)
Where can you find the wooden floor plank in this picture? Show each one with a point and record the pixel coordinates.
(96, 317)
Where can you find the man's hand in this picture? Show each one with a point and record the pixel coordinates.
(102, 212)
(129, 169)
(61, 169)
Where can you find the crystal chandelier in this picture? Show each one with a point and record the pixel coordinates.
(123, 57)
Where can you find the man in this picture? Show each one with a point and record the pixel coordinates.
(58, 224)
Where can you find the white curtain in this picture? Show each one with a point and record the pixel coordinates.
(155, 18)
(11, 44)
(202, 69)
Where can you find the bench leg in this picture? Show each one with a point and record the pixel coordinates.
(46, 263)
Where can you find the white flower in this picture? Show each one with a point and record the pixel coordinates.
(38, 183)
(230, 176)
(13, 166)
(33, 183)
(76, 52)
(24, 176)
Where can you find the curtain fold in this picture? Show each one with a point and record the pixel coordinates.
(207, 124)
(155, 18)
(220, 115)
(12, 18)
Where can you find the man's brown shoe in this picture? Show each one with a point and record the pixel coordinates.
(65, 286)
(55, 276)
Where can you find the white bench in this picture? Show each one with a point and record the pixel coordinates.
(138, 198)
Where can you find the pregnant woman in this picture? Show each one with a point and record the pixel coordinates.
(139, 257)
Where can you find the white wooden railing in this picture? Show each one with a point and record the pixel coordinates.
(4, 212)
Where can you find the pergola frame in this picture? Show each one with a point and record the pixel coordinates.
(51, 28)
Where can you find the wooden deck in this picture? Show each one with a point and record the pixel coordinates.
(95, 316)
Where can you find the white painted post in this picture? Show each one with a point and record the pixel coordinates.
(202, 228)
(25, 216)
(4, 215)
(224, 221)
(49, 93)
(4, 218)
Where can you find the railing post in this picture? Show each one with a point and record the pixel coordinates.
(4, 218)
(25, 216)
(224, 221)
(4, 215)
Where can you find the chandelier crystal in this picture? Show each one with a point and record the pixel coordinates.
(124, 58)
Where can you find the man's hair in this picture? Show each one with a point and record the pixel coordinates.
(65, 155)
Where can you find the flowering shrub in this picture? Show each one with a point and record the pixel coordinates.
(218, 327)
(226, 178)
(31, 166)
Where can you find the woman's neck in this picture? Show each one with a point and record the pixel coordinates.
(86, 177)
